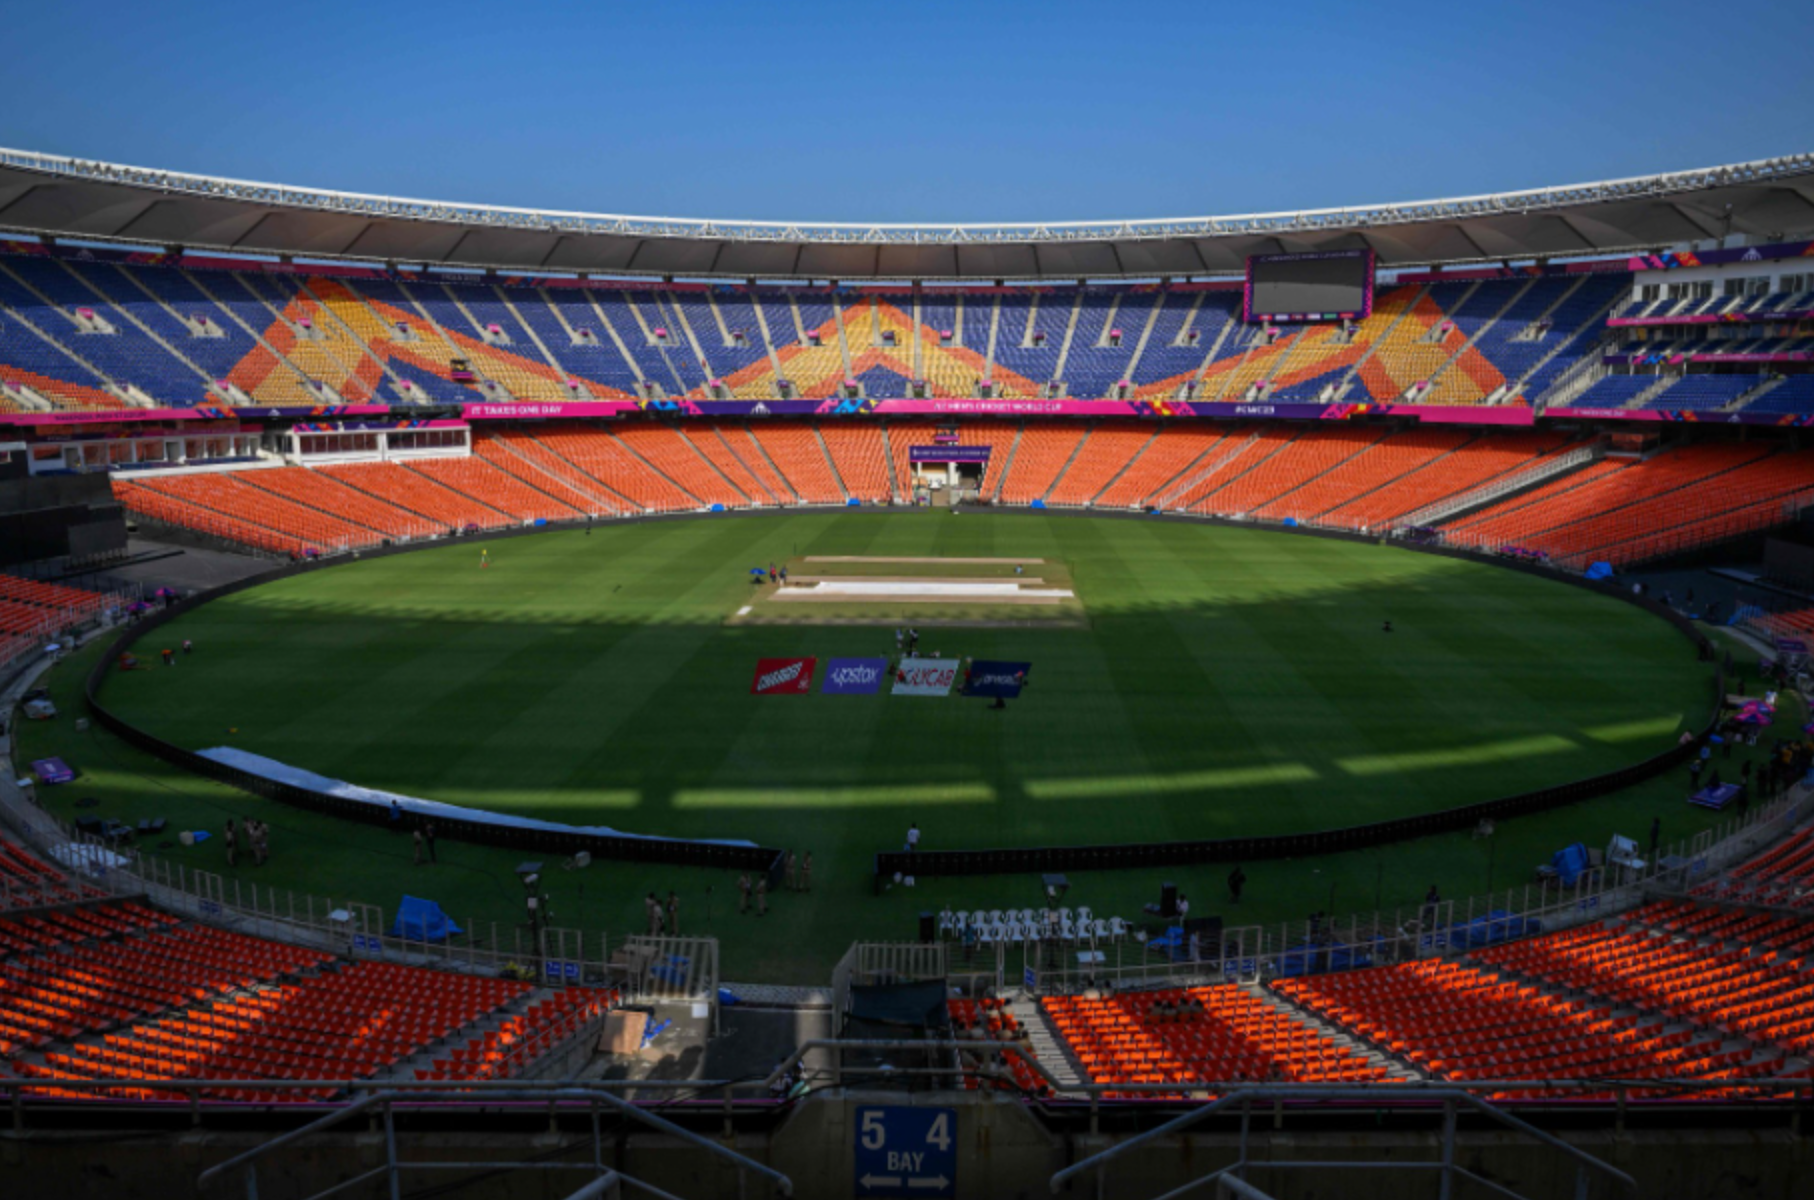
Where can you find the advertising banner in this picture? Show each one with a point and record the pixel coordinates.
(854, 676)
(925, 676)
(1003, 679)
(783, 677)
(949, 454)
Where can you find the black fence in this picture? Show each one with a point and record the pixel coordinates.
(677, 851)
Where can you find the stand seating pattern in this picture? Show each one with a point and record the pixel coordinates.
(1163, 1037)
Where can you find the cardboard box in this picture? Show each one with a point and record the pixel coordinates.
(623, 1032)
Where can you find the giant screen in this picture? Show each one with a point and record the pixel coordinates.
(1331, 286)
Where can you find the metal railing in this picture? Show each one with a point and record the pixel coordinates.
(1379, 938)
(392, 1169)
(1447, 1168)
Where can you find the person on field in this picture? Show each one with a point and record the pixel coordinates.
(913, 838)
(231, 838)
(793, 871)
(484, 558)
(762, 895)
(743, 893)
(255, 835)
(673, 915)
(169, 657)
(416, 839)
(396, 817)
(1386, 628)
(428, 838)
(189, 647)
(1237, 879)
(652, 908)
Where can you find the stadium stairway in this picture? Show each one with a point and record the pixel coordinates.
(1053, 1052)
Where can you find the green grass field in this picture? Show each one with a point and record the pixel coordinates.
(1229, 682)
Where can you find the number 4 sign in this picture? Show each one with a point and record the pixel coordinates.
(904, 1151)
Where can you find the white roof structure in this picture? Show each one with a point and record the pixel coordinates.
(50, 196)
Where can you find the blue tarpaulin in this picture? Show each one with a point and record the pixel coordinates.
(420, 920)
(853, 502)
(1599, 570)
(1037, 504)
(1569, 862)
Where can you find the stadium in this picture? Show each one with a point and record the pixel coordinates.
(527, 701)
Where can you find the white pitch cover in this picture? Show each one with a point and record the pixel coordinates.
(925, 676)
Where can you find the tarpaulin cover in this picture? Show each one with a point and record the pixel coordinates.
(1600, 570)
(420, 920)
(989, 678)
(270, 768)
(52, 770)
(1569, 862)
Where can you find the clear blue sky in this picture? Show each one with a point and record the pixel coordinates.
(977, 111)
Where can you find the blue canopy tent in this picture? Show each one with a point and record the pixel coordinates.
(420, 920)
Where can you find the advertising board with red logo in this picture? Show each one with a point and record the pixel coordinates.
(783, 677)
(925, 676)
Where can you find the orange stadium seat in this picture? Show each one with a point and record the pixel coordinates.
(862, 462)
(1037, 458)
(1107, 452)
(405, 489)
(797, 453)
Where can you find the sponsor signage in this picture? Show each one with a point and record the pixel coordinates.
(783, 677)
(925, 676)
(854, 676)
(950, 454)
(1003, 679)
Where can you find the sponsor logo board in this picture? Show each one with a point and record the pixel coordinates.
(783, 677)
(1004, 679)
(854, 676)
(925, 676)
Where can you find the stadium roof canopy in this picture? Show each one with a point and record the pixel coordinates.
(1771, 199)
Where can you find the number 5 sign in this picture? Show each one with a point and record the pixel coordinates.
(904, 1151)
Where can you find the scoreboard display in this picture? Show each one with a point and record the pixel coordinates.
(1333, 286)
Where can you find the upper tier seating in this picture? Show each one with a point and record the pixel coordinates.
(274, 333)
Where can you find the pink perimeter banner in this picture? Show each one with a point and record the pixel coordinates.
(575, 408)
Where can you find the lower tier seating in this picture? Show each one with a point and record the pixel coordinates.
(1219, 1034)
